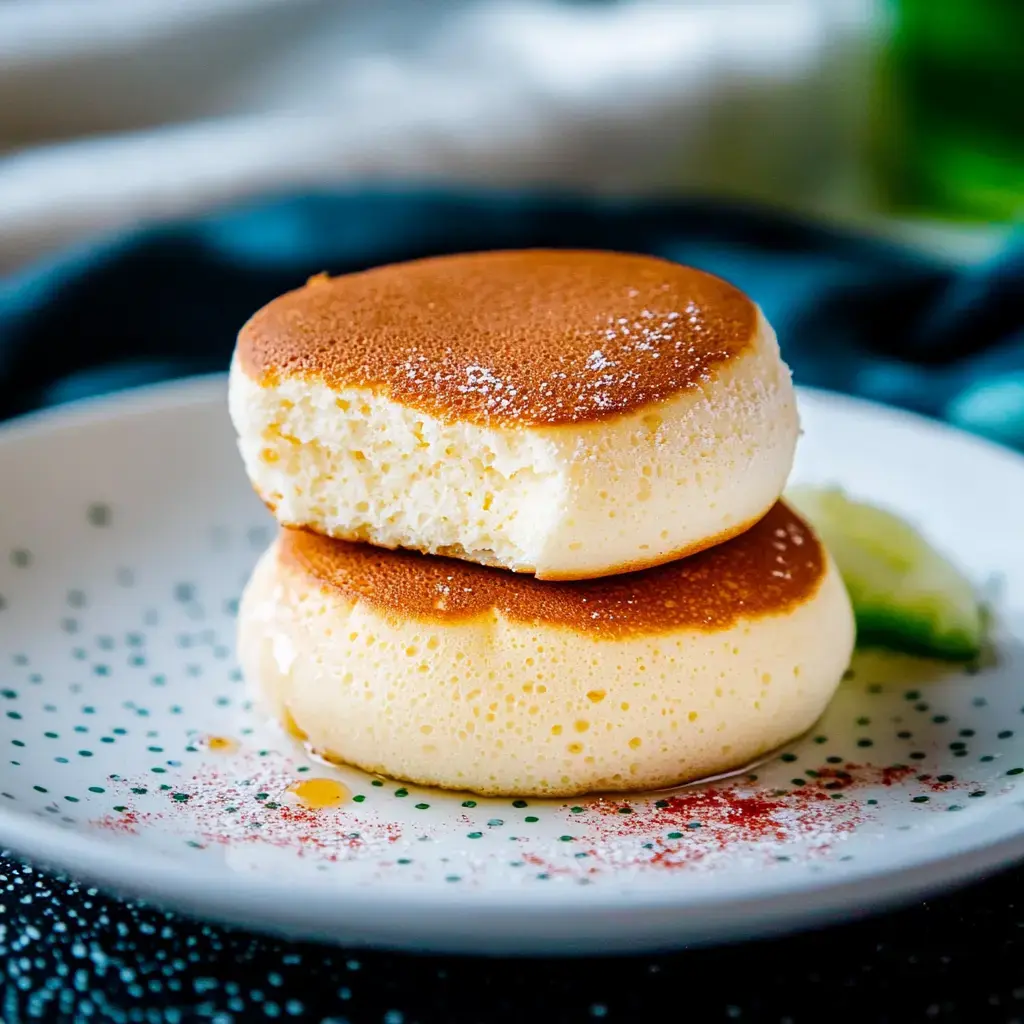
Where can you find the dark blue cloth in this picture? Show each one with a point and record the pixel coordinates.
(852, 314)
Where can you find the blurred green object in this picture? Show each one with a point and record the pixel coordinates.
(950, 124)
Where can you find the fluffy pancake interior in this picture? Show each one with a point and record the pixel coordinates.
(564, 502)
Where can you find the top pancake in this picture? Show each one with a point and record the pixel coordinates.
(524, 337)
(771, 568)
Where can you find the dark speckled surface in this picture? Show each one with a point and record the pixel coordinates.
(73, 954)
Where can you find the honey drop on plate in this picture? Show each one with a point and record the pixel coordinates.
(318, 794)
(221, 744)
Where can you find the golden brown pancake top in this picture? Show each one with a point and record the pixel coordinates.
(775, 565)
(518, 337)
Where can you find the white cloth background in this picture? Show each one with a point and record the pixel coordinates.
(116, 112)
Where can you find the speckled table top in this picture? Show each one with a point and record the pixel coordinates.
(73, 954)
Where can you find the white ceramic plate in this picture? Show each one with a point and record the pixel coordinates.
(128, 755)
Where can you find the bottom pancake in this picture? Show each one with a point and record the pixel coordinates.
(450, 674)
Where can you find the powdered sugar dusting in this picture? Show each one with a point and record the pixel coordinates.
(246, 801)
(509, 337)
(732, 824)
(243, 803)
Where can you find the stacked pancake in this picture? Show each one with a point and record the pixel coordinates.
(531, 538)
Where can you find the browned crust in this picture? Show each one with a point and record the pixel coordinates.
(771, 568)
(521, 337)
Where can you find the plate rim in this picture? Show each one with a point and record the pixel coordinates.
(394, 918)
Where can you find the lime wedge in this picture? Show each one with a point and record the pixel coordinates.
(906, 596)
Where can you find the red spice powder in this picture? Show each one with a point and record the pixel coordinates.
(687, 826)
(747, 809)
(744, 816)
(126, 823)
(895, 773)
(576, 869)
(244, 802)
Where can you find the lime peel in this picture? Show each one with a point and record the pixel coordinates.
(906, 595)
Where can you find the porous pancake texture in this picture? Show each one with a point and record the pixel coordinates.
(444, 673)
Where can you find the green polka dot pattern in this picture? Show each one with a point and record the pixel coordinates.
(126, 727)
